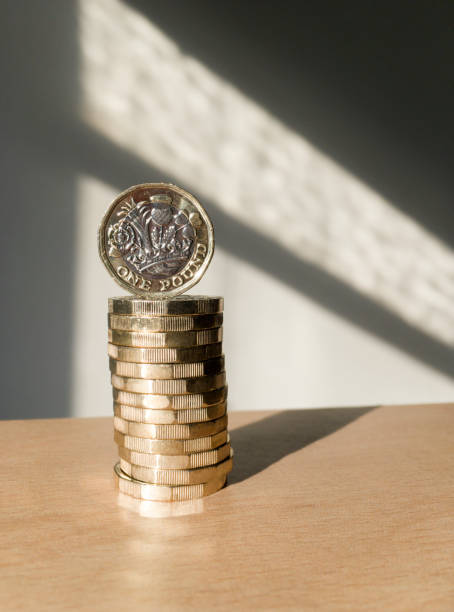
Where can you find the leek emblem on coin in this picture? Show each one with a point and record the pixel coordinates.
(156, 240)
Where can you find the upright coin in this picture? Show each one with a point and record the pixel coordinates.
(156, 240)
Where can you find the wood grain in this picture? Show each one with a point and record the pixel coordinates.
(346, 509)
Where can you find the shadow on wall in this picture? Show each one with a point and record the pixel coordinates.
(38, 71)
(262, 443)
(115, 166)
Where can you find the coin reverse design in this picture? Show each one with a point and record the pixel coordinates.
(156, 240)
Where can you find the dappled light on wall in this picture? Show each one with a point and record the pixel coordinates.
(144, 94)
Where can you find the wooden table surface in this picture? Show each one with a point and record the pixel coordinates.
(339, 509)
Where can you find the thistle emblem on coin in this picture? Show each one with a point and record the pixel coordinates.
(156, 239)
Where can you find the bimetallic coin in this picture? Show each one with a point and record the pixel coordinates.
(167, 371)
(179, 305)
(153, 492)
(165, 339)
(177, 477)
(165, 355)
(170, 402)
(175, 386)
(156, 239)
(166, 323)
(170, 432)
(169, 417)
(176, 462)
(171, 447)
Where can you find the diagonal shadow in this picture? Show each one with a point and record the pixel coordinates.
(96, 155)
(262, 443)
(344, 79)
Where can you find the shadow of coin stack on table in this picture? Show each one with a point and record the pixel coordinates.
(170, 396)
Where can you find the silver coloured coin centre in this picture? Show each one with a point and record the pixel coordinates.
(153, 237)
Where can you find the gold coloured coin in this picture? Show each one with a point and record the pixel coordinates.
(171, 447)
(165, 339)
(177, 477)
(169, 417)
(179, 305)
(176, 462)
(175, 386)
(170, 402)
(165, 355)
(170, 432)
(156, 239)
(167, 371)
(153, 492)
(166, 323)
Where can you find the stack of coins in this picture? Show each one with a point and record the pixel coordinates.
(166, 361)
(170, 396)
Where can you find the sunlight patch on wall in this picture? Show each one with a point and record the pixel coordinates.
(143, 93)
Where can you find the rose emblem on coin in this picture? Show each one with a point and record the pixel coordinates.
(156, 239)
